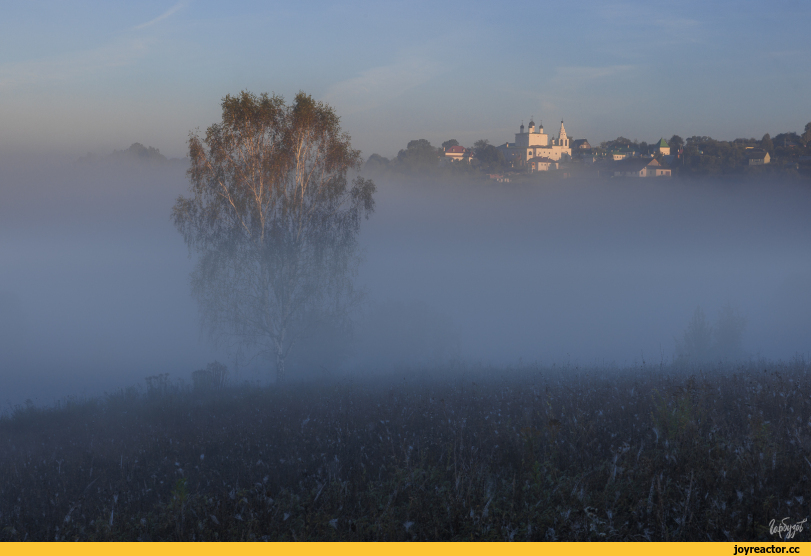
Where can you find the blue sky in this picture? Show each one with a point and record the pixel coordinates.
(97, 76)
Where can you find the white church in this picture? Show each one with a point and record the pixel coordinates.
(534, 149)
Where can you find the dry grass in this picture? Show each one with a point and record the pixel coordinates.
(481, 454)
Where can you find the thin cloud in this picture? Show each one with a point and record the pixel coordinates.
(73, 65)
(379, 85)
(168, 13)
(124, 51)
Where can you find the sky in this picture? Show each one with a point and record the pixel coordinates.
(78, 77)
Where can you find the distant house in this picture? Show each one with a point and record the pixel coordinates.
(457, 152)
(757, 157)
(662, 147)
(623, 153)
(580, 144)
(541, 164)
(658, 170)
(639, 168)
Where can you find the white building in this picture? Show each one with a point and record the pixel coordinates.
(534, 145)
(458, 153)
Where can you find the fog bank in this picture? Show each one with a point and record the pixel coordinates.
(595, 272)
(94, 279)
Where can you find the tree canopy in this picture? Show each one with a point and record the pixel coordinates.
(619, 143)
(490, 158)
(274, 220)
(418, 157)
(766, 143)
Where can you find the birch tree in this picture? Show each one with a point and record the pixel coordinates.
(274, 220)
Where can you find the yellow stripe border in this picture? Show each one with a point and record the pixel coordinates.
(406, 549)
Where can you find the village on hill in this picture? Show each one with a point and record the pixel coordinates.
(535, 154)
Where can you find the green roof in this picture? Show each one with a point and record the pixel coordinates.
(662, 143)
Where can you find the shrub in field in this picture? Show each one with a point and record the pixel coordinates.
(211, 378)
(157, 385)
(703, 343)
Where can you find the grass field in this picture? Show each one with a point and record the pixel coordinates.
(650, 453)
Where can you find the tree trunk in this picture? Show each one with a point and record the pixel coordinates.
(280, 361)
(279, 368)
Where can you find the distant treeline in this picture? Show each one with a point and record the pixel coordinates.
(700, 155)
(790, 155)
(134, 153)
(421, 158)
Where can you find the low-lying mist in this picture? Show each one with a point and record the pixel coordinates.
(94, 279)
(594, 272)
